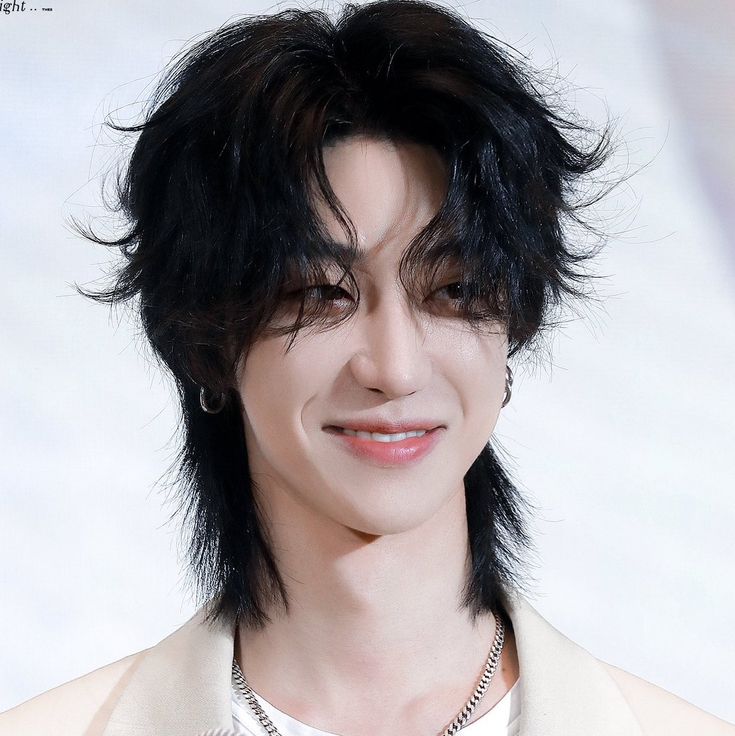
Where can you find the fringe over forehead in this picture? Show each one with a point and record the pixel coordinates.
(219, 190)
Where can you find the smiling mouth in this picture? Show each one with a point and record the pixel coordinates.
(387, 450)
(380, 436)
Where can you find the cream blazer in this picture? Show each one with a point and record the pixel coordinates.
(181, 687)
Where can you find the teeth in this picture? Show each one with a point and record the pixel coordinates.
(384, 437)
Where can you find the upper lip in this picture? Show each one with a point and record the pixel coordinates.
(386, 427)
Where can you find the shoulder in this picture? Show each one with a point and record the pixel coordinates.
(74, 708)
(661, 713)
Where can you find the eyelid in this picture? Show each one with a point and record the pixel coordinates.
(310, 287)
(447, 285)
(340, 286)
(345, 293)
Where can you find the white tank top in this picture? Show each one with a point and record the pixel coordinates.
(503, 719)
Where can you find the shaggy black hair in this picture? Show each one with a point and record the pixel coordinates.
(219, 200)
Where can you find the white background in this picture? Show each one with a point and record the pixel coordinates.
(624, 441)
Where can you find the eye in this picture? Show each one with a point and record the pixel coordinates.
(328, 292)
(455, 291)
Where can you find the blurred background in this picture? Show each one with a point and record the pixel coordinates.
(623, 439)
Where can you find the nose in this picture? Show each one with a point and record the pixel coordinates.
(391, 354)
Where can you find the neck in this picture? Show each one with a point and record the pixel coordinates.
(374, 620)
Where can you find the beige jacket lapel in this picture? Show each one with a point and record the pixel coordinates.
(565, 691)
(181, 687)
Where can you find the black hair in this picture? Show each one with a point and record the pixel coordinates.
(219, 198)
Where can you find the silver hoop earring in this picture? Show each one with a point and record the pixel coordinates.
(207, 407)
(508, 385)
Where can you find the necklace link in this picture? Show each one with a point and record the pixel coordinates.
(454, 727)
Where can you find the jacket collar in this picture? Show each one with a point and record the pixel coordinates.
(565, 691)
(181, 686)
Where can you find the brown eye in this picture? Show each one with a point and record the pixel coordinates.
(454, 291)
(326, 292)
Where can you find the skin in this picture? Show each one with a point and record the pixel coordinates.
(374, 557)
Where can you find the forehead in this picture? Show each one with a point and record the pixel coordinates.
(390, 191)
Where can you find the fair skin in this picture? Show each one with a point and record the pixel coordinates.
(374, 557)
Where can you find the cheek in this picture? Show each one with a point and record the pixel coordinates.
(274, 387)
(475, 365)
(476, 359)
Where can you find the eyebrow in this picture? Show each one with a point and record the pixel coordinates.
(354, 256)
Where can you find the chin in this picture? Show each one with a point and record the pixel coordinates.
(372, 524)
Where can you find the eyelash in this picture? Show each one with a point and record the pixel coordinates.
(339, 288)
(326, 287)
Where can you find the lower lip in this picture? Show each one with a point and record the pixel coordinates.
(407, 451)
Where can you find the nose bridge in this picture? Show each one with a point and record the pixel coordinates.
(392, 356)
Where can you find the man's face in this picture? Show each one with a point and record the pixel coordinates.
(390, 360)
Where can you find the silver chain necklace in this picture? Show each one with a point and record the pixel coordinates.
(490, 666)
